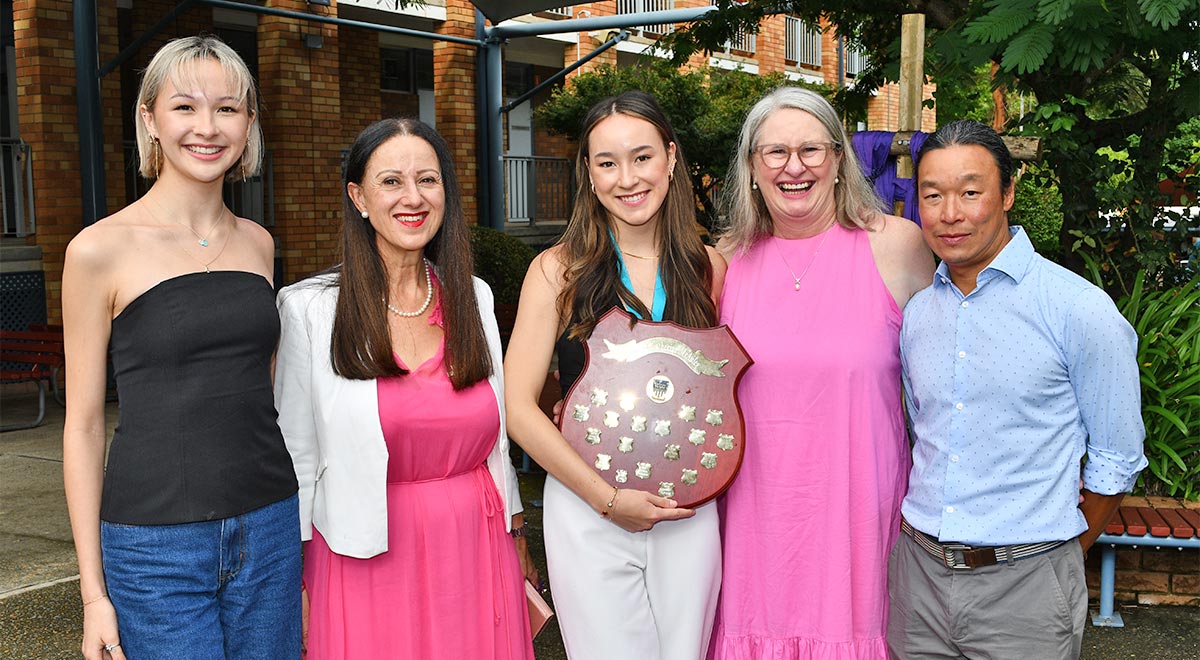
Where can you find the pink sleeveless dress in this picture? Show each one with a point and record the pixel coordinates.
(808, 523)
(450, 584)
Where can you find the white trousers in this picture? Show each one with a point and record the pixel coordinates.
(646, 595)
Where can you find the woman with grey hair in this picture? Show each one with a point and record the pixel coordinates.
(817, 278)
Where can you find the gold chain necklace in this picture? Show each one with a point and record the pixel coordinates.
(203, 241)
(810, 262)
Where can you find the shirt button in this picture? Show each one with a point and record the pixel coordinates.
(959, 405)
(966, 304)
(962, 354)
(954, 458)
(949, 509)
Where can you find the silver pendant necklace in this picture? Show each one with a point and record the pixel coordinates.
(810, 262)
(428, 296)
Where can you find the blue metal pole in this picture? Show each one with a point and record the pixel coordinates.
(1108, 574)
(620, 36)
(600, 22)
(91, 130)
(493, 152)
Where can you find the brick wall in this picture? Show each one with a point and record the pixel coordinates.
(1146, 576)
(360, 98)
(301, 87)
(455, 90)
(46, 106)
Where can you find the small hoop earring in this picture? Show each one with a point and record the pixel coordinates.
(593, 185)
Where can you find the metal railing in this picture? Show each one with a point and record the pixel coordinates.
(16, 188)
(565, 12)
(856, 61)
(537, 189)
(802, 43)
(640, 6)
(742, 42)
(253, 198)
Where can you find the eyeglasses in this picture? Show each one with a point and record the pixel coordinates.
(812, 154)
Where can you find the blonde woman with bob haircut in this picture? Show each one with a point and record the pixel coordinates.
(634, 575)
(188, 539)
(818, 275)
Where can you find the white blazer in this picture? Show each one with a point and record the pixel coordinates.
(331, 424)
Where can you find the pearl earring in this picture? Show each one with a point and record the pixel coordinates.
(365, 215)
(753, 185)
(836, 180)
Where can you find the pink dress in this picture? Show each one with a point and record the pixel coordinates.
(808, 523)
(450, 584)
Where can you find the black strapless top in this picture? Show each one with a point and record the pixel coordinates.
(197, 437)
(572, 355)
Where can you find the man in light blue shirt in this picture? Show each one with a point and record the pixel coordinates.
(1014, 370)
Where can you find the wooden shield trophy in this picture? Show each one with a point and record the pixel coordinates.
(656, 408)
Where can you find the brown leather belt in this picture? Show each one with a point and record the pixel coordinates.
(960, 556)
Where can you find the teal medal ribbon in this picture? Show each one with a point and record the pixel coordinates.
(660, 294)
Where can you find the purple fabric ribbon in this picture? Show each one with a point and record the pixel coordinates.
(879, 166)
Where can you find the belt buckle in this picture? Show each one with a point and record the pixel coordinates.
(957, 555)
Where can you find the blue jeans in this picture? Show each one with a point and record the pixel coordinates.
(219, 590)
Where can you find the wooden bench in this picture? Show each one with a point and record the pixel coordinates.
(32, 357)
(1140, 526)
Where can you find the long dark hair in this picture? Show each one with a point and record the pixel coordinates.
(591, 278)
(361, 347)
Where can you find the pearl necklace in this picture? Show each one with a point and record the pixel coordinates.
(810, 263)
(428, 296)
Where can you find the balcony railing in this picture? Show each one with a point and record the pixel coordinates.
(802, 43)
(640, 6)
(537, 189)
(742, 42)
(856, 61)
(560, 12)
(16, 188)
(253, 198)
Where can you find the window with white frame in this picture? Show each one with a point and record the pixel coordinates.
(743, 41)
(856, 61)
(802, 43)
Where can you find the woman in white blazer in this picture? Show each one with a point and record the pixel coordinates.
(390, 397)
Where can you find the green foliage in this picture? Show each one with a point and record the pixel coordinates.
(1105, 74)
(501, 261)
(965, 94)
(1168, 329)
(1038, 209)
(706, 107)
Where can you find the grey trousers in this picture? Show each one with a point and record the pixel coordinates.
(1032, 609)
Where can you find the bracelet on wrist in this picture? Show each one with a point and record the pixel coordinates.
(520, 532)
(608, 508)
(94, 600)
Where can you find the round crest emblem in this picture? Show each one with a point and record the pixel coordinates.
(660, 389)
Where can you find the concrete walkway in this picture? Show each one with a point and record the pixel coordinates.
(40, 615)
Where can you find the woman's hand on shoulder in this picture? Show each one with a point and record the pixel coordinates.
(638, 511)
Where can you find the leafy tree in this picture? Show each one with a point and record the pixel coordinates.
(706, 107)
(1110, 77)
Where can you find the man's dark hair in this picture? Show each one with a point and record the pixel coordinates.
(966, 132)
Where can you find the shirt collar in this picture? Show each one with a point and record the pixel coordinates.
(1013, 260)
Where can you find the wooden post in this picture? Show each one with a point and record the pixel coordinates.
(912, 82)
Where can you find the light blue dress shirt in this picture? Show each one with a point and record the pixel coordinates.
(1006, 389)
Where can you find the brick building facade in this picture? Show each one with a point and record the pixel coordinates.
(321, 84)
